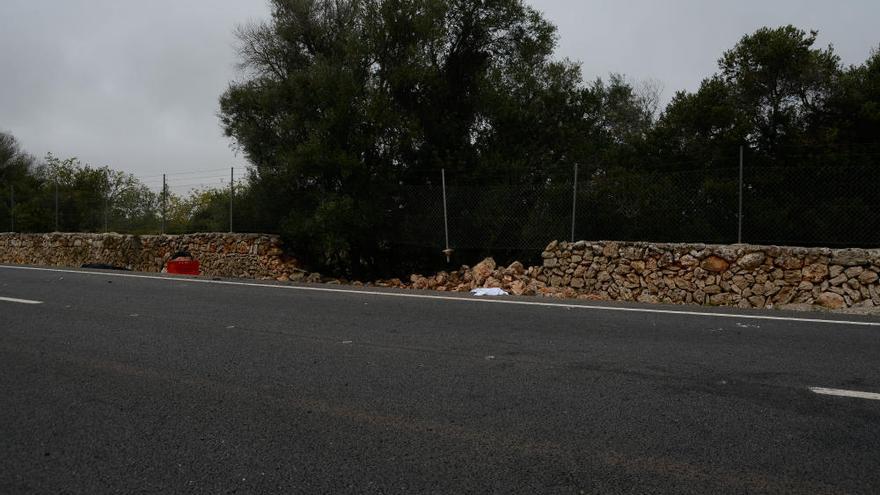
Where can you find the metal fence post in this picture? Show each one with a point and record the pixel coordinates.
(12, 208)
(574, 198)
(164, 195)
(56, 204)
(447, 251)
(106, 201)
(739, 237)
(231, 195)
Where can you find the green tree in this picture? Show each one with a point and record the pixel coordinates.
(129, 205)
(854, 108)
(81, 194)
(779, 80)
(200, 210)
(16, 180)
(770, 88)
(802, 120)
(345, 100)
(94, 199)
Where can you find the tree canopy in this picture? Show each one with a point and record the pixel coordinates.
(807, 126)
(346, 100)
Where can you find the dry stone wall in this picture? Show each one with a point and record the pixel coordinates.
(256, 256)
(746, 276)
(739, 275)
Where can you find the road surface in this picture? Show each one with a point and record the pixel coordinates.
(117, 383)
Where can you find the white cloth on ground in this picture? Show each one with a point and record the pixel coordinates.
(489, 292)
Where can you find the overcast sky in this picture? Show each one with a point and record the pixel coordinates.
(134, 84)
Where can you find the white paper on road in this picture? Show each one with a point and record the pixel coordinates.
(489, 292)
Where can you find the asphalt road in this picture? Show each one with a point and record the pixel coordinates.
(116, 384)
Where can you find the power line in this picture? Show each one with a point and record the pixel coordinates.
(192, 172)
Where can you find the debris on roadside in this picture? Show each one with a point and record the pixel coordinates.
(104, 266)
(182, 263)
(489, 292)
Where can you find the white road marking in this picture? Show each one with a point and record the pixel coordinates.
(19, 301)
(620, 309)
(845, 393)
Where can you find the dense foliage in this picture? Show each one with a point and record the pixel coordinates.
(347, 101)
(808, 126)
(66, 195)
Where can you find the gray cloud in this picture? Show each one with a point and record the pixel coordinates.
(134, 85)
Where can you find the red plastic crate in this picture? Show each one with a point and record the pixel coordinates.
(183, 267)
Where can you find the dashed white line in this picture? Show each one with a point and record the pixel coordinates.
(853, 394)
(515, 302)
(19, 301)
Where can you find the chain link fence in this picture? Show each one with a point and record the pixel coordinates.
(805, 201)
(794, 205)
(813, 206)
(173, 203)
(697, 206)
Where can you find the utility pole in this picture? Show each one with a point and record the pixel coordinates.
(164, 196)
(231, 195)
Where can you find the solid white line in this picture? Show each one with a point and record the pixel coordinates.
(19, 301)
(458, 299)
(845, 393)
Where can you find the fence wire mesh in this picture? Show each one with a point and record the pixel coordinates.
(813, 205)
(791, 205)
(807, 200)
